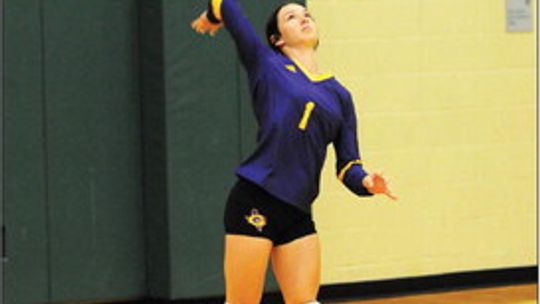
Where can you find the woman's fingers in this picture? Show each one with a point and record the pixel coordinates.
(202, 26)
(215, 29)
(390, 195)
(196, 25)
(377, 184)
(384, 184)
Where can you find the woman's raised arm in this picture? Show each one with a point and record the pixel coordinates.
(229, 14)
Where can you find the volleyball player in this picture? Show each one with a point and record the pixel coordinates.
(300, 111)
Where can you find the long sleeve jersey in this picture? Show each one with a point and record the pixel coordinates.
(298, 114)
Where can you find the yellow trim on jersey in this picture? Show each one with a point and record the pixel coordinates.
(307, 113)
(311, 76)
(216, 9)
(291, 68)
(343, 171)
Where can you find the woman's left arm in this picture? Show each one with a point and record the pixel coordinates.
(349, 165)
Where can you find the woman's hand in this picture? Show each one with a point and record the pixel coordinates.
(377, 184)
(203, 26)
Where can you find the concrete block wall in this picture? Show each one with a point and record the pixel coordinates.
(446, 104)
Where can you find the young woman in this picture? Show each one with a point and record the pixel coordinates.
(299, 111)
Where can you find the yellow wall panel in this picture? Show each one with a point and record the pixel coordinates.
(448, 18)
(446, 104)
(396, 20)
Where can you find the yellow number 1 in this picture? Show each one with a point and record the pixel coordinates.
(307, 113)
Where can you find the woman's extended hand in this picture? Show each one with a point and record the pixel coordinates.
(203, 26)
(377, 184)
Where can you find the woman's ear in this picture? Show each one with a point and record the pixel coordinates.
(276, 40)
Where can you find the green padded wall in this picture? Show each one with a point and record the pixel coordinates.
(189, 131)
(26, 269)
(202, 123)
(2, 240)
(94, 149)
(155, 147)
(73, 148)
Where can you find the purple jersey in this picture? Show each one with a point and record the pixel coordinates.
(298, 115)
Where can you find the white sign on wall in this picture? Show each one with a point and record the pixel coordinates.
(519, 16)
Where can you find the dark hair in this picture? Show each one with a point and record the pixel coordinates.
(272, 28)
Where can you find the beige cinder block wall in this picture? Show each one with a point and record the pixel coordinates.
(446, 104)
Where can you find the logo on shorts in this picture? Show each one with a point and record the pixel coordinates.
(256, 219)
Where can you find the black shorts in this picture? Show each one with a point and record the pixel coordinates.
(254, 212)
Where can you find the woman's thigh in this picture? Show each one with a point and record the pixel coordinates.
(245, 264)
(297, 267)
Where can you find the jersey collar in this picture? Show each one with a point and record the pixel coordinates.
(311, 76)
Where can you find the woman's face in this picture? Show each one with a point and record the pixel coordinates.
(296, 26)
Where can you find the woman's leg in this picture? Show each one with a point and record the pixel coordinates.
(297, 267)
(246, 260)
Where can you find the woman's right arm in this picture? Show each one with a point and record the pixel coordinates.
(228, 12)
